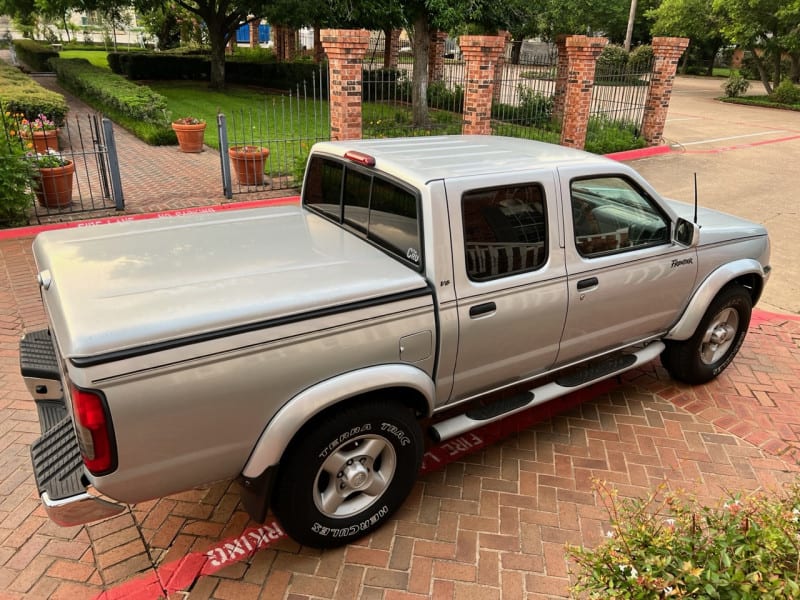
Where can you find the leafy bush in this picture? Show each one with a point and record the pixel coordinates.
(612, 58)
(135, 101)
(604, 136)
(35, 55)
(21, 94)
(442, 97)
(669, 546)
(534, 109)
(640, 59)
(16, 173)
(135, 107)
(786, 93)
(735, 85)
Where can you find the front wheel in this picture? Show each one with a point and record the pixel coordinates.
(347, 472)
(715, 342)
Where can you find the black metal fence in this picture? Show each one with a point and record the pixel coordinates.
(266, 148)
(55, 173)
(523, 97)
(620, 93)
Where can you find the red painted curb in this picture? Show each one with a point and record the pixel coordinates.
(21, 232)
(639, 153)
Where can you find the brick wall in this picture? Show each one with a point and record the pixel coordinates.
(436, 56)
(346, 49)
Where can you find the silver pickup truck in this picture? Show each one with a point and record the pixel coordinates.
(422, 288)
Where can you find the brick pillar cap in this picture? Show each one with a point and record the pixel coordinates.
(584, 41)
(679, 43)
(344, 35)
(479, 42)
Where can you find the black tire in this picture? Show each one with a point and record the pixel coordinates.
(716, 341)
(373, 450)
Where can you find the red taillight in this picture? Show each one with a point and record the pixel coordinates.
(93, 427)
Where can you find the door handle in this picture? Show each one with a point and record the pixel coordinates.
(482, 309)
(585, 284)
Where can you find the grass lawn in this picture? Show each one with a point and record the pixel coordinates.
(96, 57)
(284, 125)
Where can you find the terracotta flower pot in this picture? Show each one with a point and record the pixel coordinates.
(54, 186)
(190, 137)
(248, 162)
(43, 140)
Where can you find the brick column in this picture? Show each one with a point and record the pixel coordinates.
(254, 33)
(667, 52)
(392, 52)
(346, 49)
(480, 54)
(562, 71)
(582, 53)
(436, 56)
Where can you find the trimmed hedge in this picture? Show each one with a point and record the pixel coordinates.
(21, 94)
(136, 101)
(35, 55)
(168, 66)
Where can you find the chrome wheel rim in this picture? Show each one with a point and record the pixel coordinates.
(354, 476)
(719, 336)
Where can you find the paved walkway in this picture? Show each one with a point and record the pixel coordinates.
(488, 519)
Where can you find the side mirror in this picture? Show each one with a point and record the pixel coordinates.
(687, 233)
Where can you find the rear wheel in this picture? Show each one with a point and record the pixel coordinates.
(346, 473)
(715, 342)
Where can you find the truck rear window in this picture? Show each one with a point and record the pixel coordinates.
(367, 204)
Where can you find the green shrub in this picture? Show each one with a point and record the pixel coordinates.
(735, 85)
(670, 546)
(135, 101)
(640, 59)
(441, 96)
(604, 136)
(786, 93)
(21, 94)
(133, 106)
(534, 109)
(16, 173)
(35, 55)
(612, 58)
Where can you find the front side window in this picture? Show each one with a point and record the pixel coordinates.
(610, 214)
(367, 204)
(505, 230)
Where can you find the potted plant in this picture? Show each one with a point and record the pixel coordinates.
(248, 162)
(190, 131)
(53, 183)
(42, 131)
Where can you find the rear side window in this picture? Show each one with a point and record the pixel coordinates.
(369, 205)
(505, 231)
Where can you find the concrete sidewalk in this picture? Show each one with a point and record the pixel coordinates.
(490, 518)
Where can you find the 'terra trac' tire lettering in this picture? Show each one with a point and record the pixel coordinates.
(347, 472)
(716, 341)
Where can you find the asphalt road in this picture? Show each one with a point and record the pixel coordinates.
(746, 159)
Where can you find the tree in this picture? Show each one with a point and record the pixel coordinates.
(766, 28)
(694, 19)
(221, 18)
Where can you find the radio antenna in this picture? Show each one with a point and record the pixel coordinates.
(695, 198)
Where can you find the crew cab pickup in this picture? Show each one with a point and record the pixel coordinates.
(421, 288)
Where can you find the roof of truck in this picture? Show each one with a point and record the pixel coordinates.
(426, 158)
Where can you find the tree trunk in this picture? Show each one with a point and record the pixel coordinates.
(516, 51)
(794, 74)
(762, 71)
(685, 60)
(66, 26)
(218, 41)
(387, 48)
(776, 66)
(419, 75)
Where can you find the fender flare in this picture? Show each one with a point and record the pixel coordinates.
(311, 401)
(718, 279)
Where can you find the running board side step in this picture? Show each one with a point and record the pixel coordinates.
(562, 386)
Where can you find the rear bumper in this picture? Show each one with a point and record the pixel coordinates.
(57, 463)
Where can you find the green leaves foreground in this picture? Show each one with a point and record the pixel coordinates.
(669, 546)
